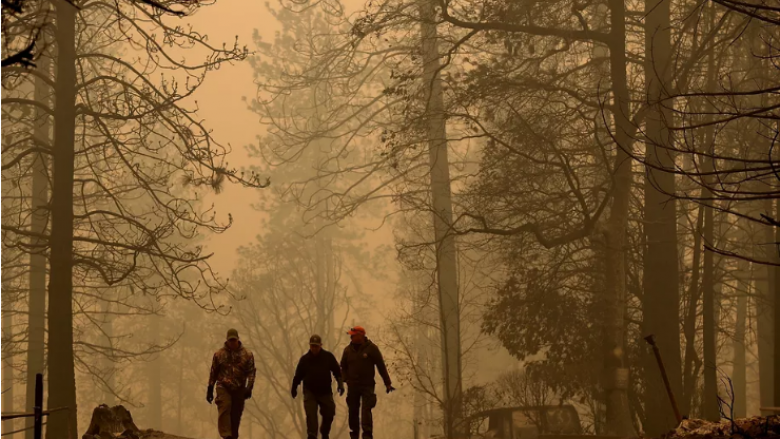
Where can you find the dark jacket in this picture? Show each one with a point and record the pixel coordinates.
(315, 370)
(358, 362)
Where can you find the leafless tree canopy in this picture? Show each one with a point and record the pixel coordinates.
(509, 195)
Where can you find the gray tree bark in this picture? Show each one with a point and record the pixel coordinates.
(420, 428)
(739, 372)
(325, 284)
(8, 369)
(660, 278)
(183, 345)
(756, 56)
(108, 363)
(710, 400)
(776, 281)
(618, 416)
(764, 309)
(36, 350)
(709, 319)
(61, 370)
(154, 377)
(441, 197)
(765, 313)
(692, 362)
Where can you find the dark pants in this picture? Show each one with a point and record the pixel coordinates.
(327, 409)
(230, 406)
(361, 411)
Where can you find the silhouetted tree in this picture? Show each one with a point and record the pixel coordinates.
(121, 143)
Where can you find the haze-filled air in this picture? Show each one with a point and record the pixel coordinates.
(390, 219)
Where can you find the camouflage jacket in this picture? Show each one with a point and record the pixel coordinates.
(233, 370)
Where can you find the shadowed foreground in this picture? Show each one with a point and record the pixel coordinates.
(755, 427)
(117, 423)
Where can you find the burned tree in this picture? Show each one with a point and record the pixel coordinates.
(122, 143)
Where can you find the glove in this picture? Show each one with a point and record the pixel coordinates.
(210, 394)
(294, 392)
(247, 393)
(341, 390)
(390, 388)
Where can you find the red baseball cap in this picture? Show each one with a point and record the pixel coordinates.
(357, 330)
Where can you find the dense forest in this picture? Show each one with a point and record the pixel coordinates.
(510, 195)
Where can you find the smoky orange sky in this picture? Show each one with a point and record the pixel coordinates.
(222, 108)
(221, 105)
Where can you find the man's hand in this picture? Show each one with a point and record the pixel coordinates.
(247, 393)
(294, 392)
(210, 394)
(390, 388)
(341, 390)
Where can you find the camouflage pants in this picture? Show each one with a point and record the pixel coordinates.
(230, 406)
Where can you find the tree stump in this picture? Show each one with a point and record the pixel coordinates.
(107, 422)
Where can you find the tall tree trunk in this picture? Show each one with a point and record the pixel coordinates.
(37, 275)
(739, 372)
(8, 369)
(323, 243)
(709, 320)
(618, 416)
(441, 196)
(62, 380)
(108, 362)
(183, 344)
(710, 399)
(757, 53)
(764, 311)
(762, 236)
(319, 299)
(764, 304)
(691, 366)
(660, 278)
(776, 281)
(155, 378)
(417, 419)
(421, 344)
(325, 284)
(331, 280)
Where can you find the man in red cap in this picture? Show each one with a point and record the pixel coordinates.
(233, 372)
(357, 367)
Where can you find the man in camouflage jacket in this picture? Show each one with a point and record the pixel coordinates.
(233, 372)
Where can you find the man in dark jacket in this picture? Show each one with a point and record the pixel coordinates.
(233, 372)
(314, 369)
(357, 365)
